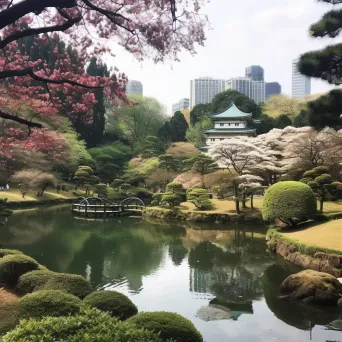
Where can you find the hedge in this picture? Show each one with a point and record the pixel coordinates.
(115, 303)
(90, 325)
(169, 325)
(13, 266)
(289, 201)
(47, 280)
(49, 303)
(5, 252)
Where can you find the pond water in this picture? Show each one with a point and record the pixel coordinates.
(168, 266)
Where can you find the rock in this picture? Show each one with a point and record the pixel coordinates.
(321, 255)
(316, 287)
(334, 260)
(292, 249)
(314, 265)
(214, 312)
(331, 270)
(340, 280)
(335, 325)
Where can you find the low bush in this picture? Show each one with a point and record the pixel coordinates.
(49, 303)
(115, 303)
(290, 202)
(339, 303)
(169, 325)
(200, 198)
(13, 266)
(47, 280)
(90, 325)
(5, 252)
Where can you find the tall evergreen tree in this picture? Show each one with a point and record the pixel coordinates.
(93, 134)
(178, 126)
(326, 63)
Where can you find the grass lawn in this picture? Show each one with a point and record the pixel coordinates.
(14, 195)
(327, 235)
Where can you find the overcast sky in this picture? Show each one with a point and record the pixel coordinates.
(269, 33)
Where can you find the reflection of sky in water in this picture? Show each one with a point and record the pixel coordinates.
(165, 267)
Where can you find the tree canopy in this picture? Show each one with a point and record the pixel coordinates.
(325, 63)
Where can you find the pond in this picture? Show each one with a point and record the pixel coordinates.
(168, 266)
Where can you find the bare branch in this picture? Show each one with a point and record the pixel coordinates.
(14, 118)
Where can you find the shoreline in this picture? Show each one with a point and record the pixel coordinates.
(35, 203)
(308, 257)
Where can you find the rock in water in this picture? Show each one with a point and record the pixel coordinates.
(335, 325)
(312, 287)
(213, 312)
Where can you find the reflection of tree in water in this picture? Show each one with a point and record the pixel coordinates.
(230, 269)
(299, 315)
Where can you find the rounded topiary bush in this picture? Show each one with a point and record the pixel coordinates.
(115, 303)
(169, 325)
(4, 252)
(47, 280)
(290, 202)
(15, 265)
(49, 303)
(89, 325)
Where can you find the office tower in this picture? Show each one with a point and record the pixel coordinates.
(203, 89)
(255, 90)
(272, 88)
(180, 105)
(255, 73)
(301, 85)
(134, 88)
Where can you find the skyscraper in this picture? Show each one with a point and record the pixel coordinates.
(272, 88)
(255, 73)
(134, 88)
(180, 105)
(203, 89)
(301, 85)
(255, 90)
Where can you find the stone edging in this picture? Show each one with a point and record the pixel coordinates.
(193, 216)
(322, 261)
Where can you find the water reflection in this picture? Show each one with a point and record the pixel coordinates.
(215, 277)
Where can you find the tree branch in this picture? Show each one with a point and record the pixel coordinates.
(30, 72)
(11, 117)
(22, 8)
(39, 30)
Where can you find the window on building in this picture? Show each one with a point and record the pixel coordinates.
(229, 124)
(236, 124)
(221, 124)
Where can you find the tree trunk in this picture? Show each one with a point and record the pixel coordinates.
(321, 204)
(237, 202)
(244, 206)
(252, 204)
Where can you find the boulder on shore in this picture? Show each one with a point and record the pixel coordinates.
(312, 287)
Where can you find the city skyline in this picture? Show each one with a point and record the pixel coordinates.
(228, 51)
(301, 85)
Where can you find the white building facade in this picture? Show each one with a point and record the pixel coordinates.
(301, 85)
(203, 90)
(180, 105)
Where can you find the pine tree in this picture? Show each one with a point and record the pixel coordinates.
(178, 126)
(326, 63)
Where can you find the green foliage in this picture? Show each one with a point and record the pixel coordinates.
(266, 124)
(49, 303)
(290, 202)
(154, 203)
(223, 191)
(178, 190)
(169, 325)
(171, 199)
(326, 111)
(200, 112)
(339, 303)
(4, 211)
(203, 164)
(194, 134)
(125, 187)
(168, 162)
(222, 100)
(200, 198)
(117, 183)
(152, 147)
(101, 189)
(178, 126)
(4, 252)
(12, 266)
(112, 302)
(302, 119)
(48, 280)
(282, 121)
(89, 326)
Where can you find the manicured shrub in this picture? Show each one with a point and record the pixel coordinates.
(178, 190)
(169, 325)
(171, 199)
(15, 265)
(89, 325)
(200, 198)
(49, 303)
(47, 280)
(290, 202)
(115, 303)
(5, 252)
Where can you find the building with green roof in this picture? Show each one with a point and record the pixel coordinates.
(230, 123)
